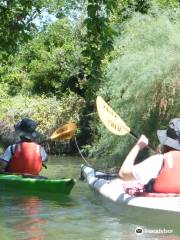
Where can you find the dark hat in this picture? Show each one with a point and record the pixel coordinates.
(27, 128)
(171, 136)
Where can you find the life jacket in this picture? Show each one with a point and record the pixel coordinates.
(168, 180)
(26, 159)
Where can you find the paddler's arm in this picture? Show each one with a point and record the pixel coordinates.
(44, 157)
(3, 164)
(6, 157)
(125, 171)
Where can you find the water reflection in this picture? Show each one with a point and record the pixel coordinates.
(30, 221)
(29, 216)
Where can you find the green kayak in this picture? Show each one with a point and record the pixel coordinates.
(36, 185)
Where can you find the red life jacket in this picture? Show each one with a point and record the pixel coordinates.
(26, 159)
(168, 180)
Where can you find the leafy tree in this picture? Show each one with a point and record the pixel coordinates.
(18, 22)
(49, 64)
(98, 40)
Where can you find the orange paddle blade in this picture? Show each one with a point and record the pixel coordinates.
(65, 132)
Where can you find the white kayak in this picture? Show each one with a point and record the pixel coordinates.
(112, 191)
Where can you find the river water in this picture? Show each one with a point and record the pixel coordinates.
(81, 216)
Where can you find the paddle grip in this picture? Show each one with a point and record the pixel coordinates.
(150, 146)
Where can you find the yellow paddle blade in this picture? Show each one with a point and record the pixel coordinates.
(110, 118)
(65, 132)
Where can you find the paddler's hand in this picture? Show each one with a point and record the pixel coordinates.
(125, 171)
(142, 142)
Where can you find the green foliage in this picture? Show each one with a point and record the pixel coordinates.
(68, 58)
(22, 20)
(98, 40)
(16, 81)
(16, 19)
(126, 8)
(3, 91)
(49, 64)
(48, 112)
(165, 3)
(69, 8)
(102, 18)
(142, 83)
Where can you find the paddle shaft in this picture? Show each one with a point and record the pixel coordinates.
(133, 135)
(63, 130)
(46, 140)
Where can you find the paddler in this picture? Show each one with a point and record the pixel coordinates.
(160, 172)
(26, 156)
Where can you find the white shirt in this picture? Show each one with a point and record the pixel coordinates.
(8, 153)
(148, 169)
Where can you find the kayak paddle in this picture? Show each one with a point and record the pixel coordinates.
(112, 121)
(64, 132)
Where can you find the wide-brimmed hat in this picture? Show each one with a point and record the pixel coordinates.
(171, 136)
(27, 128)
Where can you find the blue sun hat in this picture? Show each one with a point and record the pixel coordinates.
(171, 136)
(27, 128)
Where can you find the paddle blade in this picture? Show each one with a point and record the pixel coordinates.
(110, 119)
(65, 132)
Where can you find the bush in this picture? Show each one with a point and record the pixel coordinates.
(142, 83)
(50, 113)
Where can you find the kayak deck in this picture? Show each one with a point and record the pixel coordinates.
(36, 185)
(113, 191)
